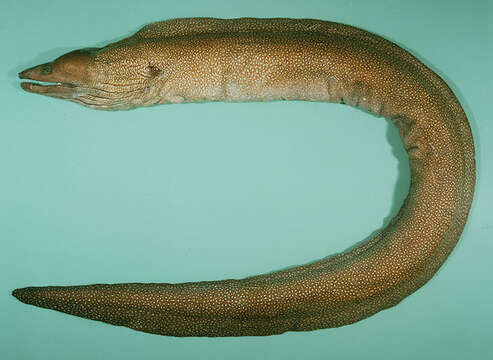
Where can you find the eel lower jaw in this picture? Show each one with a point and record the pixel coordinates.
(62, 90)
(49, 85)
(54, 89)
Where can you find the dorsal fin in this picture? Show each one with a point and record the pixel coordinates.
(195, 26)
(202, 25)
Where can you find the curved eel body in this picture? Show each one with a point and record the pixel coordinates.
(202, 59)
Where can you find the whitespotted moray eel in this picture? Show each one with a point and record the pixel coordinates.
(247, 59)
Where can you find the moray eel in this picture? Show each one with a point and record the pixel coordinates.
(206, 59)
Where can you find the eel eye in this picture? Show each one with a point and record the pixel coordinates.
(46, 70)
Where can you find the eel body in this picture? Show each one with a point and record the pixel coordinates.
(205, 59)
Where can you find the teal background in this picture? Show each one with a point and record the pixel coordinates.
(210, 191)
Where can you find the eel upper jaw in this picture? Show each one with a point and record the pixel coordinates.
(51, 85)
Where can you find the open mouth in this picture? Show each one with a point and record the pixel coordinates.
(45, 86)
(52, 89)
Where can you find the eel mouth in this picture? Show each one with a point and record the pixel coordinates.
(62, 90)
(48, 84)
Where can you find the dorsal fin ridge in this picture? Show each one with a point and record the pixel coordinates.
(195, 26)
(202, 25)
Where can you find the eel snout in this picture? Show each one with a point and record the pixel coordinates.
(65, 77)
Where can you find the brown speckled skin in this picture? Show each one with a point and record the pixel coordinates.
(188, 60)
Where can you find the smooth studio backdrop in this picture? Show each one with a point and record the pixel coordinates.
(211, 191)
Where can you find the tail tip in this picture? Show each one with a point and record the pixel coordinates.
(21, 294)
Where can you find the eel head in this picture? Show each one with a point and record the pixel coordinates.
(80, 76)
(66, 77)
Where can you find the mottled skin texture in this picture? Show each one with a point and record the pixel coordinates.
(189, 60)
